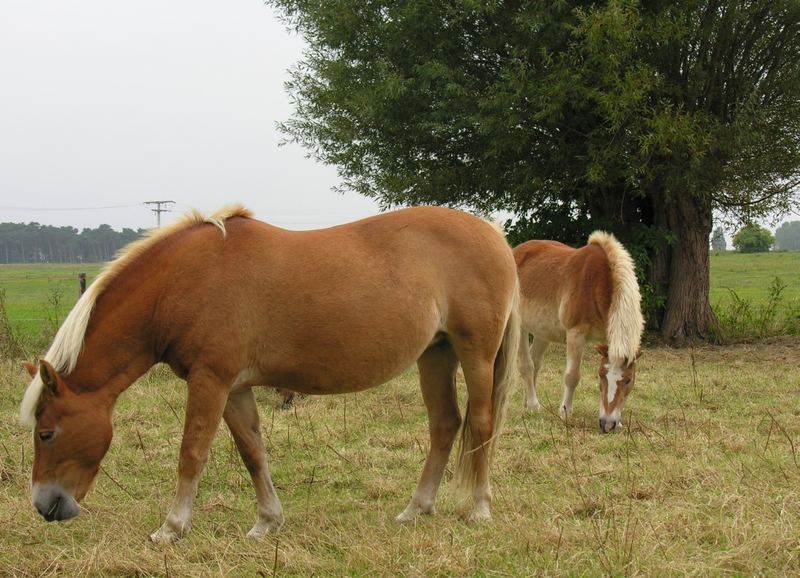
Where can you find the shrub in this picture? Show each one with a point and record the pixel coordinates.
(753, 238)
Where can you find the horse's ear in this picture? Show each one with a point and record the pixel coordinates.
(49, 377)
(638, 354)
(602, 349)
(30, 368)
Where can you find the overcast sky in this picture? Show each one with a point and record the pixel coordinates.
(106, 103)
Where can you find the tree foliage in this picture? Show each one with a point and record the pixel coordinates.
(35, 243)
(642, 118)
(753, 238)
(787, 236)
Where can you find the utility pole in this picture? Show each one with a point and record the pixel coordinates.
(158, 210)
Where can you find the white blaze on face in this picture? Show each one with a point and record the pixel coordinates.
(613, 377)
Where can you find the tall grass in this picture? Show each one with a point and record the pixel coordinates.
(741, 318)
(12, 343)
(15, 342)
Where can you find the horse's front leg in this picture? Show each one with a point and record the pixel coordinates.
(206, 401)
(576, 341)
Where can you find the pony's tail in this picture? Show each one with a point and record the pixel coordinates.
(505, 370)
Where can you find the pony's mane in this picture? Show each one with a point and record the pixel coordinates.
(68, 342)
(625, 320)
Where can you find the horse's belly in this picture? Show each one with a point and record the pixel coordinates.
(351, 358)
(542, 321)
(346, 373)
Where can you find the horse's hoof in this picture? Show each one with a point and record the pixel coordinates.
(532, 406)
(412, 511)
(164, 536)
(264, 527)
(480, 514)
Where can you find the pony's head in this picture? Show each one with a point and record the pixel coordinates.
(70, 437)
(617, 378)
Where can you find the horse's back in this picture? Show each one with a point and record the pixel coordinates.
(562, 288)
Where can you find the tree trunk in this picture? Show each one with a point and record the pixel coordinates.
(653, 214)
(688, 314)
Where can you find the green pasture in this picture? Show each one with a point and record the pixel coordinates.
(703, 479)
(30, 289)
(750, 275)
(31, 292)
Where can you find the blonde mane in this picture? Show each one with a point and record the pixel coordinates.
(625, 320)
(68, 342)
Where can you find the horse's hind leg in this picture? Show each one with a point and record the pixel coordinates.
(479, 375)
(576, 341)
(437, 372)
(241, 415)
(530, 367)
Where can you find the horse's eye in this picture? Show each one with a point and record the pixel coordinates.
(46, 436)
(628, 381)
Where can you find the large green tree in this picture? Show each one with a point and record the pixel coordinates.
(640, 117)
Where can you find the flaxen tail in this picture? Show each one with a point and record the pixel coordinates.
(505, 372)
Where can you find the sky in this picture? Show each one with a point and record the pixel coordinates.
(110, 104)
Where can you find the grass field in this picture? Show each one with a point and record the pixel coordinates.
(704, 479)
(30, 288)
(750, 275)
(30, 291)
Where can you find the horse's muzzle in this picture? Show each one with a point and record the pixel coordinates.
(54, 504)
(608, 425)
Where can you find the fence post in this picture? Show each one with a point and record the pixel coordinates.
(82, 282)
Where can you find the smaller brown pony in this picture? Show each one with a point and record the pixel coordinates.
(577, 295)
(229, 303)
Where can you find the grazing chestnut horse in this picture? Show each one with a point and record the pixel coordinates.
(577, 295)
(230, 302)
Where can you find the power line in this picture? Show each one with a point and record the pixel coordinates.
(158, 210)
(67, 208)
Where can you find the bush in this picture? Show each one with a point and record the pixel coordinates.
(753, 238)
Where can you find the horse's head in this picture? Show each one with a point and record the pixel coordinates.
(72, 434)
(616, 382)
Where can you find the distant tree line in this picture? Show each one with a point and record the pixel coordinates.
(787, 237)
(753, 238)
(35, 243)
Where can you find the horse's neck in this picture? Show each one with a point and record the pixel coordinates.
(117, 346)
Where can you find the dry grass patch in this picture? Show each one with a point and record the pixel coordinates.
(702, 480)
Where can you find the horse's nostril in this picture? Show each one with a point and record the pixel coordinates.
(607, 426)
(54, 507)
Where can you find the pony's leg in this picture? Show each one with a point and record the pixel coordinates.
(526, 368)
(241, 415)
(576, 341)
(480, 382)
(437, 376)
(531, 362)
(204, 407)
